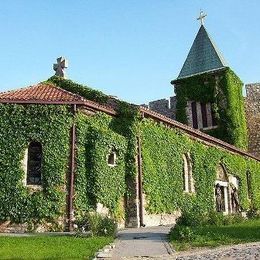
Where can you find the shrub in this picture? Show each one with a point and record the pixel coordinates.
(218, 219)
(183, 233)
(192, 218)
(253, 213)
(97, 224)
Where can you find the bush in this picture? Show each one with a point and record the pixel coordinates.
(218, 219)
(97, 224)
(253, 213)
(183, 233)
(192, 218)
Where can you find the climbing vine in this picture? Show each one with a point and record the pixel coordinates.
(96, 181)
(96, 135)
(162, 150)
(79, 89)
(19, 125)
(225, 95)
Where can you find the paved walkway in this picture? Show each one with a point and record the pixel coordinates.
(142, 242)
(151, 244)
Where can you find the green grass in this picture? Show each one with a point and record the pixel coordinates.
(212, 236)
(51, 247)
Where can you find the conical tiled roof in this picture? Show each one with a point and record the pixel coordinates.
(203, 56)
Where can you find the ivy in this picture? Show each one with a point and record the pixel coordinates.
(225, 95)
(96, 181)
(19, 125)
(162, 150)
(79, 89)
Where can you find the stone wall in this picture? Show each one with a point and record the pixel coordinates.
(253, 117)
(164, 106)
(152, 220)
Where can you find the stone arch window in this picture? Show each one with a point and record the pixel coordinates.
(221, 190)
(34, 164)
(226, 191)
(188, 182)
(111, 158)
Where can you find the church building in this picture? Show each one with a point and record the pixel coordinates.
(66, 150)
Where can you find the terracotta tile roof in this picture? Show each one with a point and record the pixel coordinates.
(46, 93)
(40, 92)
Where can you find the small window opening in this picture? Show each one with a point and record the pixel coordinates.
(194, 115)
(204, 114)
(213, 117)
(34, 164)
(111, 159)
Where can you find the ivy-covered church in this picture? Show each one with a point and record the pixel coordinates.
(66, 150)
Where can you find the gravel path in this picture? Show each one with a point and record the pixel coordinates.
(248, 251)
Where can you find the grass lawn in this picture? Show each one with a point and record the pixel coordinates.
(212, 236)
(51, 247)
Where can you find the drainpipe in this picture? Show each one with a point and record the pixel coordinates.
(72, 170)
(140, 183)
(140, 179)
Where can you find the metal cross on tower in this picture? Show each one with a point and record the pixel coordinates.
(201, 17)
(60, 67)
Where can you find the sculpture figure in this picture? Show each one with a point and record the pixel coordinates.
(235, 200)
(60, 67)
(218, 194)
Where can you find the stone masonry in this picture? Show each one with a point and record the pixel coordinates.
(164, 106)
(253, 117)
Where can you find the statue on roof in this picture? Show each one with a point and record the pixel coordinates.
(60, 67)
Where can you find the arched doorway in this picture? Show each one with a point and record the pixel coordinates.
(222, 193)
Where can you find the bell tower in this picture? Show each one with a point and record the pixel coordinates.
(209, 94)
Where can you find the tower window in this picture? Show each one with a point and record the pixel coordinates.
(214, 119)
(204, 114)
(194, 114)
(34, 164)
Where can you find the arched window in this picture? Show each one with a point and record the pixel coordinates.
(34, 164)
(222, 191)
(188, 182)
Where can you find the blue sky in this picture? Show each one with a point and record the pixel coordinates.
(131, 48)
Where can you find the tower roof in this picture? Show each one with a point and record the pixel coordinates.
(203, 56)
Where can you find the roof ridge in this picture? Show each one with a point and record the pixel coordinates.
(216, 49)
(46, 84)
(68, 92)
(18, 89)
